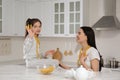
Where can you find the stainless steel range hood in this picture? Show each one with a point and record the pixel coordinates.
(109, 21)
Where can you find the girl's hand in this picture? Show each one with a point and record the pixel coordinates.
(30, 32)
(83, 58)
(51, 52)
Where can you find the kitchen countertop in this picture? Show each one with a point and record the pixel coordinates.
(20, 72)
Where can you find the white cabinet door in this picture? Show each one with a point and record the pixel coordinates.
(0, 16)
(20, 12)
(47, 18)
(74, 16)
(13, 17)
(43, 11)
(59, 18)
(7, 17)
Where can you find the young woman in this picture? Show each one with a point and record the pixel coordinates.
(31, 47)
(88, 55)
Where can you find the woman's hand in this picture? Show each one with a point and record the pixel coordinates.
(51, 52)
(30, 32)
(83, 58)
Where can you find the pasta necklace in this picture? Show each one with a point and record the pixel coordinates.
(82, 53)
(37, 47)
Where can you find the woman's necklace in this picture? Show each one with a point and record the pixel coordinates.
(37, 46)
(82, 52)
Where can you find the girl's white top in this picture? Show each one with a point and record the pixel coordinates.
(31, 60)
(29, 50)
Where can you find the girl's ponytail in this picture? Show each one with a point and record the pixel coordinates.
(29, 21)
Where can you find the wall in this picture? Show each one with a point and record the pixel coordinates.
(46, 44)
(16, 50)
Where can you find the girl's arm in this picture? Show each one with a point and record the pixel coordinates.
(28, 43)
(49, 52)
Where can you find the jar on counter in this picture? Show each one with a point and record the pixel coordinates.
(114, 63)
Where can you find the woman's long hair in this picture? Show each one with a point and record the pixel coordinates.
(31, 22)
(91, 41)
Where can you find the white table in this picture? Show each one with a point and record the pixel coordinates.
(20, 72)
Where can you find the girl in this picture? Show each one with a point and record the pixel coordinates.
(31, 47)
(89, 56)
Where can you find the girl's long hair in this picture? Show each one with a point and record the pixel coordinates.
(91, 41)
(31, 22)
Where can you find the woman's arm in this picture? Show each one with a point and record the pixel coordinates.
(82, 61)
(95, 65)
(63, 65)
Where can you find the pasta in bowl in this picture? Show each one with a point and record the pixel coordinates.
(48, 66)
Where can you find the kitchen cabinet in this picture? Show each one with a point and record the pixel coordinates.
(20, 17)
(13, 17)
(66, 17)
(8, 18)
(16, 12)
(118, 9)
(0, 16)
(59, 17)
(69, 16)
(33, 9)
(44, 11)
(6, 21)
